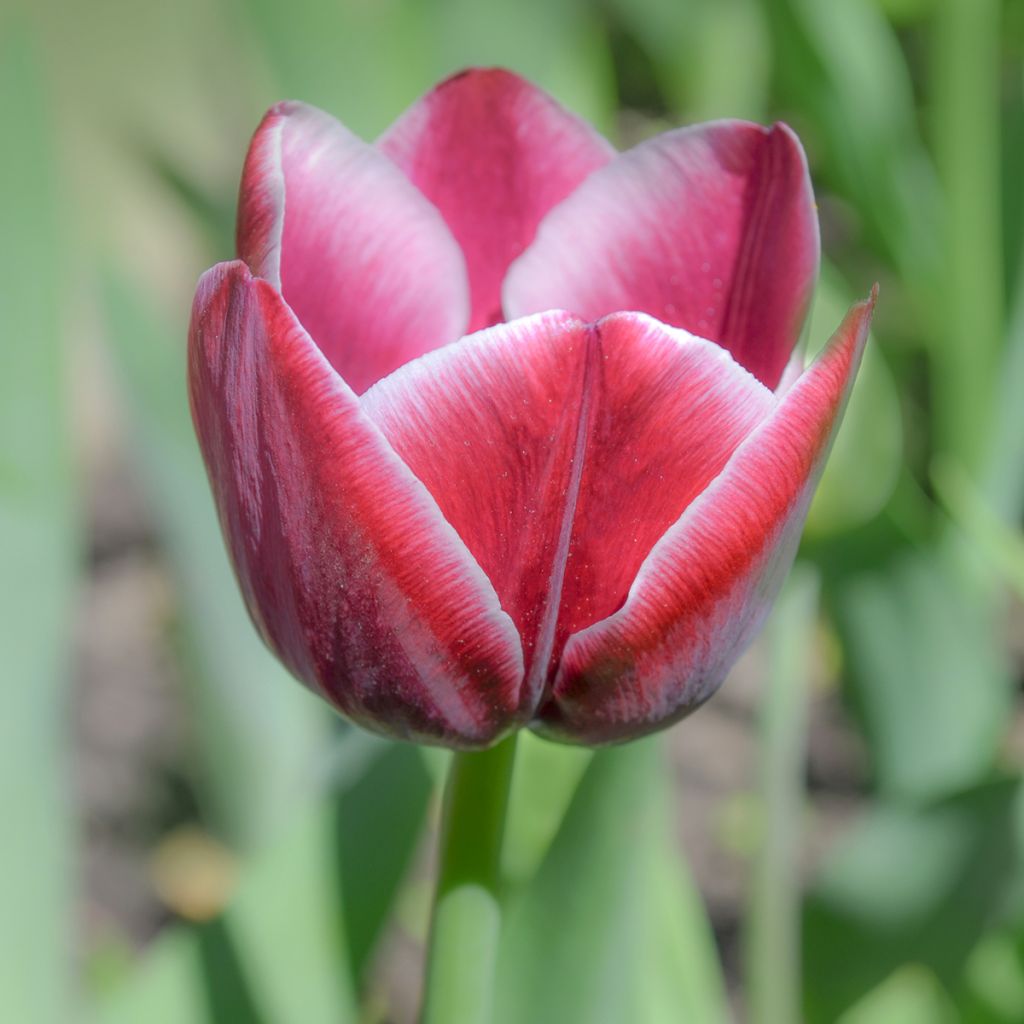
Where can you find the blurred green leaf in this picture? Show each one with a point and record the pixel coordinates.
(297, 934)
(966, 84)
(1004, 469)
(362, 61)
(904, 12)
(907, 886)
(286, 927)
(912, 995)
(772, 921)
(261, 734)
(609, 930)
(38, 554)
(993, 988)
(925, 672)
(546, 777)
(366, 62)
(840, 68)
(276, 956)
(559, 46)
(227, 984)
(1011, 136)
(664, 32)
(378, 826)
(166, 988)
(709, 60)
(861, 473)
(215, 214)
(731, 65)
(1002, 546)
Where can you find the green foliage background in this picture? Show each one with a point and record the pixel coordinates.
(125, 124)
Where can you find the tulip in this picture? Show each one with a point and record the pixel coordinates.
(505, 428)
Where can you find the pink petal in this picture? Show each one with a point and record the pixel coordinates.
(492, 427)
(711, 228)
(670, 410)
(493, 154)
(349, 571)
(561, 453)
(363, 259)
(709, 582)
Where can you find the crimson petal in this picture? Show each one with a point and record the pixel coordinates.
(561, 452)
(711, 228)
(351, 574)
(493, 153)
(363, 259)
(706, 587)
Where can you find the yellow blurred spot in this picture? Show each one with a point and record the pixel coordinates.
(193, 873)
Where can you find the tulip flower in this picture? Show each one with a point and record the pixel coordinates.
(506, 428)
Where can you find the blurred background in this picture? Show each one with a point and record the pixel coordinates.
(189, 837)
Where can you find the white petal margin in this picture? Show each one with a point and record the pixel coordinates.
(706, 587)
(364, 260)
(348, 568)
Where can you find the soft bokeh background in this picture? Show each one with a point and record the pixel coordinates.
(188, 837)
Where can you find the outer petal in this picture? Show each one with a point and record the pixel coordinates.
(495, 428)
(711, 228)
(671, 409)
(363, 259)
(350, 572)
(494, 154)
(561, 453)
(706, 587)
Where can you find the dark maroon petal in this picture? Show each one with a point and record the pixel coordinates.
(349, 570)
(711, 228)
(494, 154)
(705, 589)
(363, 259)
(561, 453)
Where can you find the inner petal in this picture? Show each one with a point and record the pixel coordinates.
(494, 154)
(711, 228)
(561, 452)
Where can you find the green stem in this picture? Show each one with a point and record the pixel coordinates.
(466, 923)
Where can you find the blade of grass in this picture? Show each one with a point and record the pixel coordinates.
(840, 68)
(772, 924)
(1004, 470)
(38, 555)
(966, 86)
(1002, 546)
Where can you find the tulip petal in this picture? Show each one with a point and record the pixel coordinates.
(348, 569)
(363, 259)
(493, 427)
(711, 228)
(705, 589)
(672, 409)
(561, 452)
(494, 154)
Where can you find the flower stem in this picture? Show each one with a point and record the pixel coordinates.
(466, 922)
